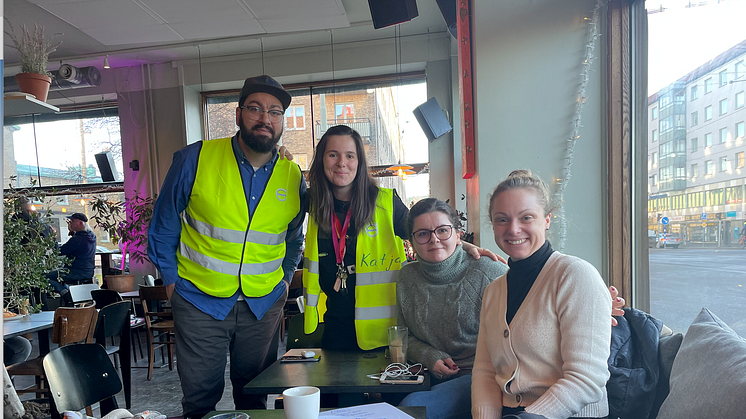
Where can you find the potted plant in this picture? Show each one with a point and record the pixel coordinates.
(125, 222)
(29, 250)
(33, 50)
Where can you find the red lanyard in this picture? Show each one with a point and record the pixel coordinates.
(339, 236)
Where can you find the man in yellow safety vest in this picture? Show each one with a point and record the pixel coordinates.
(227, 235)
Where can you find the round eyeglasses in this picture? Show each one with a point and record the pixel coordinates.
(443, 232)
(256, 113)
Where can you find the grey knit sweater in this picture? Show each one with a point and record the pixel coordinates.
(440, 304)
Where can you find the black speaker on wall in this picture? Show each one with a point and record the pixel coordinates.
(106, 167)
(431, 119)
(390, 12)
(448, 10)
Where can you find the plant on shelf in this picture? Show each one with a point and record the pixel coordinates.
(29, 249)
(126, 222)
(33, 55)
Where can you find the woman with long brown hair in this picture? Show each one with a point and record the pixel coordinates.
(354, 246)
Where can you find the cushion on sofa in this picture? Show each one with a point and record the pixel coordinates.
(708, 378)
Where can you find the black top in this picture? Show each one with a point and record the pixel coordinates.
(521, 277)
(81, 247)
(339, 319)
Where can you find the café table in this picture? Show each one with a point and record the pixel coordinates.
(337, 372)
(417, 412)
(40, 323)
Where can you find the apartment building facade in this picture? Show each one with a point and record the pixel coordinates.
(696, 173)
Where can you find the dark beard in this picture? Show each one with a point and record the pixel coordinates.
(259, 143)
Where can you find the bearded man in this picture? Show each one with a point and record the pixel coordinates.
(227, 234)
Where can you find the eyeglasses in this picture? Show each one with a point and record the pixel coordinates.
(443, 232)
(256, 113)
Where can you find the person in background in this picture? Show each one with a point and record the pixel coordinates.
(353, 246)
(544, 334)
(439, 297)
(81, 250)
(227, 235)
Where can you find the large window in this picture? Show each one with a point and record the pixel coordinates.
(379, 111)
(689, 49)
(59, 149)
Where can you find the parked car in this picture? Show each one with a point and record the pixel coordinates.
(652, 238)
(668, 240)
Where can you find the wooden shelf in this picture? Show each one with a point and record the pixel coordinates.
(26, 105)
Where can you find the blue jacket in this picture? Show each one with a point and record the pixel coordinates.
(81, 247)
(633, 365)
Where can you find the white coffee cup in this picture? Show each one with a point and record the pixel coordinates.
(302, 402)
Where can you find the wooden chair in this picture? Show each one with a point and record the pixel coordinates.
(291, 306)
(71, 325)
(160, 324)
(114, 320)
(105, 297)
(79, 376)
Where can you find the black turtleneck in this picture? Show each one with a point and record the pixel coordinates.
(521, 277)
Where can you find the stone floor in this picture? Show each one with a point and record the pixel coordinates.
(162, 393)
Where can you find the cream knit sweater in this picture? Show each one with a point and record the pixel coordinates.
(552, 359)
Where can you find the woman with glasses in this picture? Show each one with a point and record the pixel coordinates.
(439, 299)
(353, 248)
(544, 333)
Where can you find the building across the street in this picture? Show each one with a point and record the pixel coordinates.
(696, 153)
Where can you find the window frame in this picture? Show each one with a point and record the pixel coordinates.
(708, 85)
(723, 106)
(723, 164)
(723, 78)
(708, 112)
(694, 144)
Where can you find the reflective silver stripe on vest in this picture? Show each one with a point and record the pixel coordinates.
(209, 262)
(266, 238)
(229, 268)
(311, 266)
(313, 300)
(375, 313)
(374, 278)
(233, 236)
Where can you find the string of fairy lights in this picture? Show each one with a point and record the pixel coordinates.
(566, 173)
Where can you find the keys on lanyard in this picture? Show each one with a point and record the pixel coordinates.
(340, 285)
(339, 236)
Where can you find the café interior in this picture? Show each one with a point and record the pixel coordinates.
(551, 86)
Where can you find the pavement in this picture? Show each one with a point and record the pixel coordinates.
(684, 280)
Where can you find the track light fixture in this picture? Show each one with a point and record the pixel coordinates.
(106, 62)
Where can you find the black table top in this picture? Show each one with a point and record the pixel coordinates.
(28, 324)
(417, 412)
(336, 372)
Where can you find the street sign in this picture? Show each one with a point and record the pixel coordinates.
(730, 214)
(704, 215)
(704, 224)
(664, 220)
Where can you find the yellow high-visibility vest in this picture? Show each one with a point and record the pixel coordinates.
(378, 257)
(221, 247)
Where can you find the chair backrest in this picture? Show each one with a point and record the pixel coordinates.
(74, 324)
(111, 320)
(80, 375)
(297, 338)
(105, 297)
(81, 293)
(156, 293)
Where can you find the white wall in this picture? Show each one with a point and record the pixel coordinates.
(527, 65)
